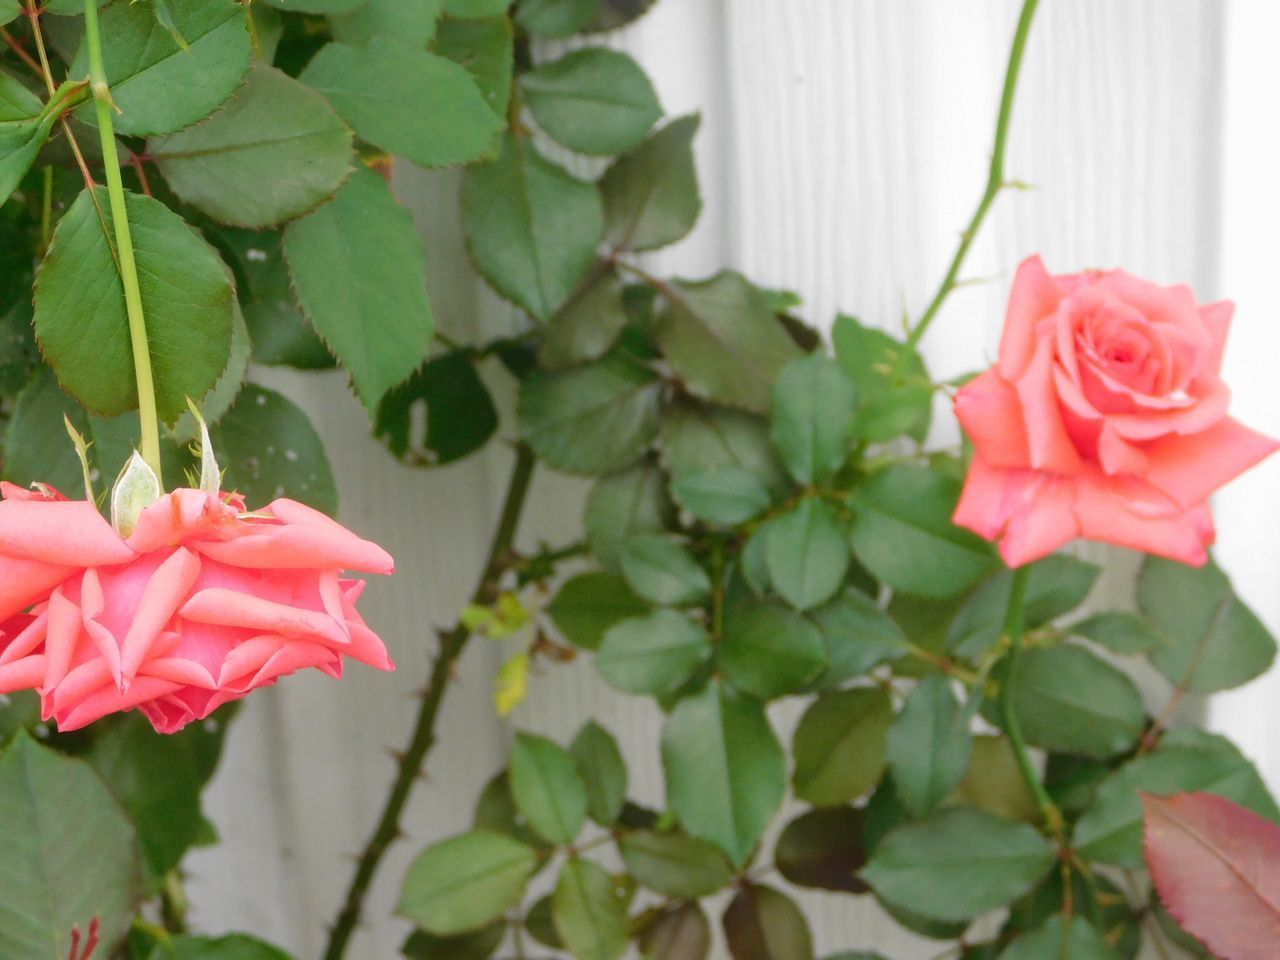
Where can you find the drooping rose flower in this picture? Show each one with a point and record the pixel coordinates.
(1105, 418)
(202, 603)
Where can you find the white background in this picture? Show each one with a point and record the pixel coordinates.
(844, 145)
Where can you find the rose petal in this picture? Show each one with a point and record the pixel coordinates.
(1034, 295)
(230, 608)
(989, 410)
(110, 700)
(183, 515)
(24, 582)
(24, 674)
(1189, 468)
(1105, 511)
(1217, 321)
(30, 633)
(1047, 438)
(1116, 455)
(67, 533)
(165, 592)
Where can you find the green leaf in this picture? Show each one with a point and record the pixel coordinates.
(408, 102)
(929, 746)
(807, 554)
(485, 49)
(37, 449)
(541, 924)
(496, 812)
(467, 946)
(360, 272)
(661, 570)
(1216, 641)
(9, 10)
(722, 340)
(413, 24)
(25, 123)
(270, 449)
(840, 746)
(157, 780)
(769, 651)
(80, 318)
(858, 636)
(596, 101)
(532, 228)
(1068, 938)
(1120, 632)
(722, 496)
(219, 398)
(726, 772)
(237, 946)
(1071, 701)
(890, 403)
(699, 437)
(1115, 921)
(274, 152)
(590, 603)
(589, 915)
(625, 505)
(674, 864)
(903, 533)
(681, 933)
(618, 13)
(603, 770)
(547, 788)
(651, 194)
(1055, 585)
(592, 419)
(67, 854)
(460, 415)
(812, 416)
(994, 782)
(470, 9)
(156, 85)
(280, 334)
(653, 655)
(588, 325)
(1187, 761)
(959, 863)
(555, 18)
(762, 923)
(824, 850)
(316, 6)
(463, 883)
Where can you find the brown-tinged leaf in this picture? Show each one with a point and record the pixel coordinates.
(1216, 866)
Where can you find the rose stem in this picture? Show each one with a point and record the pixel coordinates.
(1009, 715)
(995, 175)
(124, 241)
(452, 645)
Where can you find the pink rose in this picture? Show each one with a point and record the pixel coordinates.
(208, 603)
(1105, 418)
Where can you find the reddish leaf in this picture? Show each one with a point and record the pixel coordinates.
(1216, 866)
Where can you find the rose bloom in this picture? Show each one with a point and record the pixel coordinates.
(199, 605)
(1105, 418)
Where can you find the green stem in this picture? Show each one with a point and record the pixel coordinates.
(1008, 711)
(995, 175)
(424, 736)
(124, 243)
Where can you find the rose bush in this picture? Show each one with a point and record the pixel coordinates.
(1104, 418)
(765, 520)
